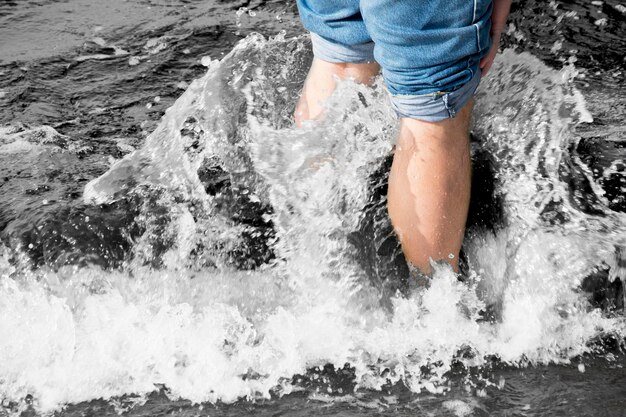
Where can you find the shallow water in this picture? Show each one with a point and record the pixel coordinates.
(172, 245)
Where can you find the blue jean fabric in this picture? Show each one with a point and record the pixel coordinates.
(429, 50)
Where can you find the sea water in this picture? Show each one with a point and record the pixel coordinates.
(233, 256)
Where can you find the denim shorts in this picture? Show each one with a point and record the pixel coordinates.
(429, 50)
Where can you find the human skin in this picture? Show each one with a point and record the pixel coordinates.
(430, 178)
(500, 13)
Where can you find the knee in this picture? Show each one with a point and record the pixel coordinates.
(451, 133)
(359, 72)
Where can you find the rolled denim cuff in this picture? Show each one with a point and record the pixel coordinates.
(329, 51)
(438, 106)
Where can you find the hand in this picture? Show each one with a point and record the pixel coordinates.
(487, 60)
(499, 14)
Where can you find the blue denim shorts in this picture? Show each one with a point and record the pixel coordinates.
(429, 51)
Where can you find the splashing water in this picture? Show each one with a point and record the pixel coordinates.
(246, 272)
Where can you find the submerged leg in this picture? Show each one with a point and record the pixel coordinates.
(321, 82)
(429, 188)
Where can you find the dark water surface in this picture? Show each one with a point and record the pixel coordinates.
(213, 261)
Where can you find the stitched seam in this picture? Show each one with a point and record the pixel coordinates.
(477, 35)
(436, 94)
(474, 14)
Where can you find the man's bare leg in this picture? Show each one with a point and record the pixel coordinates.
(321, 82)
(429, 184)
(429, 188)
